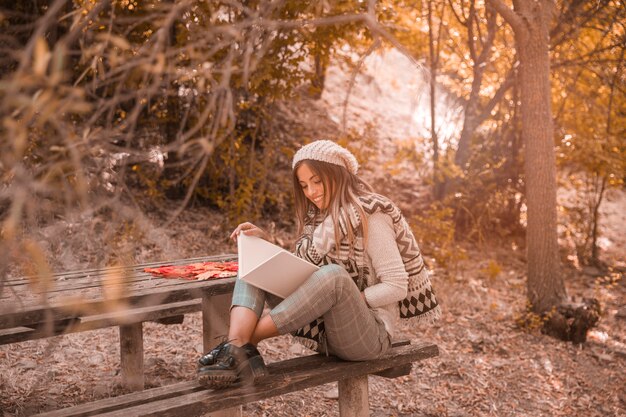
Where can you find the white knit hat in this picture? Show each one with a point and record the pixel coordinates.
(327, 151)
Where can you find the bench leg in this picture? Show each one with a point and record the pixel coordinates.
(353, 397)
(215, 323)
(131, 353)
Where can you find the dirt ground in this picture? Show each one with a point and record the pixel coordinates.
(488, 366)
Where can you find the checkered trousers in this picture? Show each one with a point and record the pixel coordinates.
(352, 330)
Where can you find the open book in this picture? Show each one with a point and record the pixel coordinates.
(270, 267)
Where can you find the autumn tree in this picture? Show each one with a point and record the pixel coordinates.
(480, 37)
(531, 22)
(102, 99)
(589, 98)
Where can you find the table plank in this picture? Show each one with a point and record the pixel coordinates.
(100, 321)
(137, 267)
(87, 278)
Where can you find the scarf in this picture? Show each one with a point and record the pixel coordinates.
(318, 246)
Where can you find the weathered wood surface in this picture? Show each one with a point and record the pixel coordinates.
(88, 293)
(100, 321)
(131, 355)
(85, 273)
(98, 298)
(400, 370)
(353, 397)
(189, 398)
(27, 289)
(215, 319)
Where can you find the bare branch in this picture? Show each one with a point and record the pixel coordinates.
(508, 82)
(190, 190)
(375, 45)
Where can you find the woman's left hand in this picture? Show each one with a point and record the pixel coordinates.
(249, 229)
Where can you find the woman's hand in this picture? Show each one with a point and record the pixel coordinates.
(249, 230)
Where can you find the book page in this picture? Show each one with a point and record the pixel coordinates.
(253, 251)
(270, 267)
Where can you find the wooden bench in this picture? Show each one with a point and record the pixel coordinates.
(189, 398)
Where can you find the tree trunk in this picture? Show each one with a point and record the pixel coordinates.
(462, 155)
(433, 61)
(531, 23)
(545, 284)
(319, 79)
(475, 112)
(595, 218)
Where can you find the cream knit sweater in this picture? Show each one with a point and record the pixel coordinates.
(388, 280)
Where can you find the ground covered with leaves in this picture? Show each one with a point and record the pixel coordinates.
(488, 365)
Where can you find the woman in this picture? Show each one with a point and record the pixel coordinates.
(371, 274)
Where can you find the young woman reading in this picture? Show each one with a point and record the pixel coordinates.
(371, 274)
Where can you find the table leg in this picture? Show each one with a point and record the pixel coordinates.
(215, 319)
(215, 323)
(353, 397)
(131, 353)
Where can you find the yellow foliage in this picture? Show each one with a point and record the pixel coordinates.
(531, 321)
(364, 145)
(435, 230)
(492, 270)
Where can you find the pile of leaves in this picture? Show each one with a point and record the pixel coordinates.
(200, 271)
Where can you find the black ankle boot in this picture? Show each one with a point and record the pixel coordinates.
(233, 364)
(210, 357)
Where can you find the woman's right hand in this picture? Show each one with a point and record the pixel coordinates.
(248, 229)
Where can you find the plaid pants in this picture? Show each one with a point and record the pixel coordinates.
(353, 331)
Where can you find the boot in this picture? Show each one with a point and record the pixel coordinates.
(210, 357)
(233, 364)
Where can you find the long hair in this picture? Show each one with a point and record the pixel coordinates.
(343, 187)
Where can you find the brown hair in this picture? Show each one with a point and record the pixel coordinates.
(343, 187)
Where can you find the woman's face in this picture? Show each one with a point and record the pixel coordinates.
(312, 186)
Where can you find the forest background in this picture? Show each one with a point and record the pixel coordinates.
(127, 125)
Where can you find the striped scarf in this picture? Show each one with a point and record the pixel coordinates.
(318, 246)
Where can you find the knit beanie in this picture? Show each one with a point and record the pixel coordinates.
(327, 151)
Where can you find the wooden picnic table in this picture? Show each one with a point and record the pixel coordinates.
(124, 296)
(32, 308)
